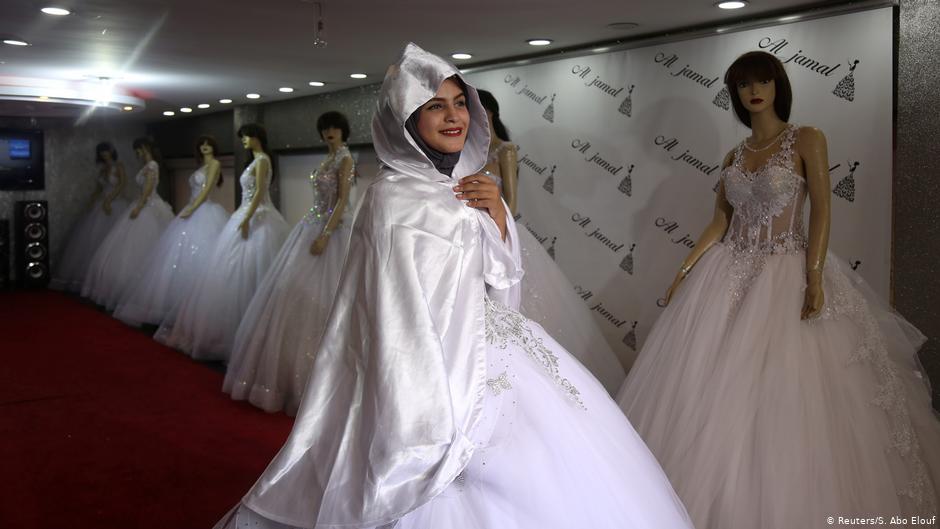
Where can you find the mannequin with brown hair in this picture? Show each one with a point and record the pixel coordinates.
(776, 389)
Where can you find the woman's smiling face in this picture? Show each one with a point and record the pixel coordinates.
(444, 119)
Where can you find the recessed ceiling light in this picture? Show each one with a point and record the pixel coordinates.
(539, 42)
(622, 26)
(358, 76)
(15, 42)
(186, 110)
(461, 56)
(203, 105)
(316, 83)
(128, 109)
(253, 96)
(225, 101)
(169, 113)
(735, 4)
(44, 98)
(285, 89)
(57, 11)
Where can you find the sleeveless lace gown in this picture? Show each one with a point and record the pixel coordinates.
(118, 261)
(178, 258)
(549, 299)
(763, 420)
(208, 316)
(278, 336)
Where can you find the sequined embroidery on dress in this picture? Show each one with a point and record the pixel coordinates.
(762, 201)
(505, 326)
(325, 184)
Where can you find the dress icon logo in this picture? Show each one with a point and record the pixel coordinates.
(626, 107)
(626, 185)
(549, 184)
(846, 87)
(549, 113)
(846, 187)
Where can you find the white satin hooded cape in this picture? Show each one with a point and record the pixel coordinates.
(398, 382)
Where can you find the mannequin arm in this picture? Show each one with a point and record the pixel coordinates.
(261, 168)
(211, 178)
(509, 169)
(813, 151)
(342, 201)
(712, 233)
(150, 182)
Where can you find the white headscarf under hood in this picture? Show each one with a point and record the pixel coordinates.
(397, 387)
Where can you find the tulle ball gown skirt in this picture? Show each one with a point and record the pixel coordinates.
(277, 340)
(205, 324)
(82, 243)
(122, 255)
(553, 451)
(178, 258)
(762, 420)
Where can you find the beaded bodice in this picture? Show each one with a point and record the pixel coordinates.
(768, 202)
(249, 184)
(325, 184)
(196, 182)
(150, 169)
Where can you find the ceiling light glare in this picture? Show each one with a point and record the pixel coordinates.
(15, 42)
(56, 11)
(539, 42)
(253, 96)
(128, 109)
(736, 4)
(285, 89)
(44, 98)
(461, 56)
(225, 101)
(316, 83)
(169, 113)
(358, 75)
(203, 105)
(186, 110)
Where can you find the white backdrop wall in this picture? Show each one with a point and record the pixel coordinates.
(620, 152)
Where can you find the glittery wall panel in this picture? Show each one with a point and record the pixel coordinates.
(70, 170)
(176, 137)
(293, 123)
(916, 190)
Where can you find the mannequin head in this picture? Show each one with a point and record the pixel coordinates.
(206, 146)
(443, 121)
(492, 112)
(758, 83)
(105, 153)
(143, 148)
(333, 128)
(254, 137)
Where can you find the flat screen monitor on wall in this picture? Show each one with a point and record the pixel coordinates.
(21, 159)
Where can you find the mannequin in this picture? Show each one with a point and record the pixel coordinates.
(776, 389)
(208, 315)
(276, 341)
(183, 250)
(548, 297)
(431, 403)
(94, 225)
(119, 259)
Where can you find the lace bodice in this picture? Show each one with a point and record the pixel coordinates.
(196, 182)
(768, 202)
(325, 183)
(249, 184)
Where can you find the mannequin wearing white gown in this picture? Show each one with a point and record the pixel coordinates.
(204, 326)
(118, 261)
(431, 404)
(761, 418)
(278, 336)
(178, 258)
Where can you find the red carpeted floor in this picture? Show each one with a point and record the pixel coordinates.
(101, 427)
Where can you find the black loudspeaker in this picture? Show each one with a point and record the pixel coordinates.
(31, 238)
(4, 254)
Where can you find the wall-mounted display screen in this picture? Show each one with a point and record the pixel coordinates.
(21, 159)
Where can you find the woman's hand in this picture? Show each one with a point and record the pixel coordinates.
(244, 228)
(481, 192)
(813, 297)
(319, 245)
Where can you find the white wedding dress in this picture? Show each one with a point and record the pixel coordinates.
(123, 254)
(208, 316)
(178, 258)
(279, 334)
(763, 420)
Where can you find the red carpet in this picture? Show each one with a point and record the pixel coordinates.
(101, 427)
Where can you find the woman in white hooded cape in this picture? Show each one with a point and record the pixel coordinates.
(432, 402)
